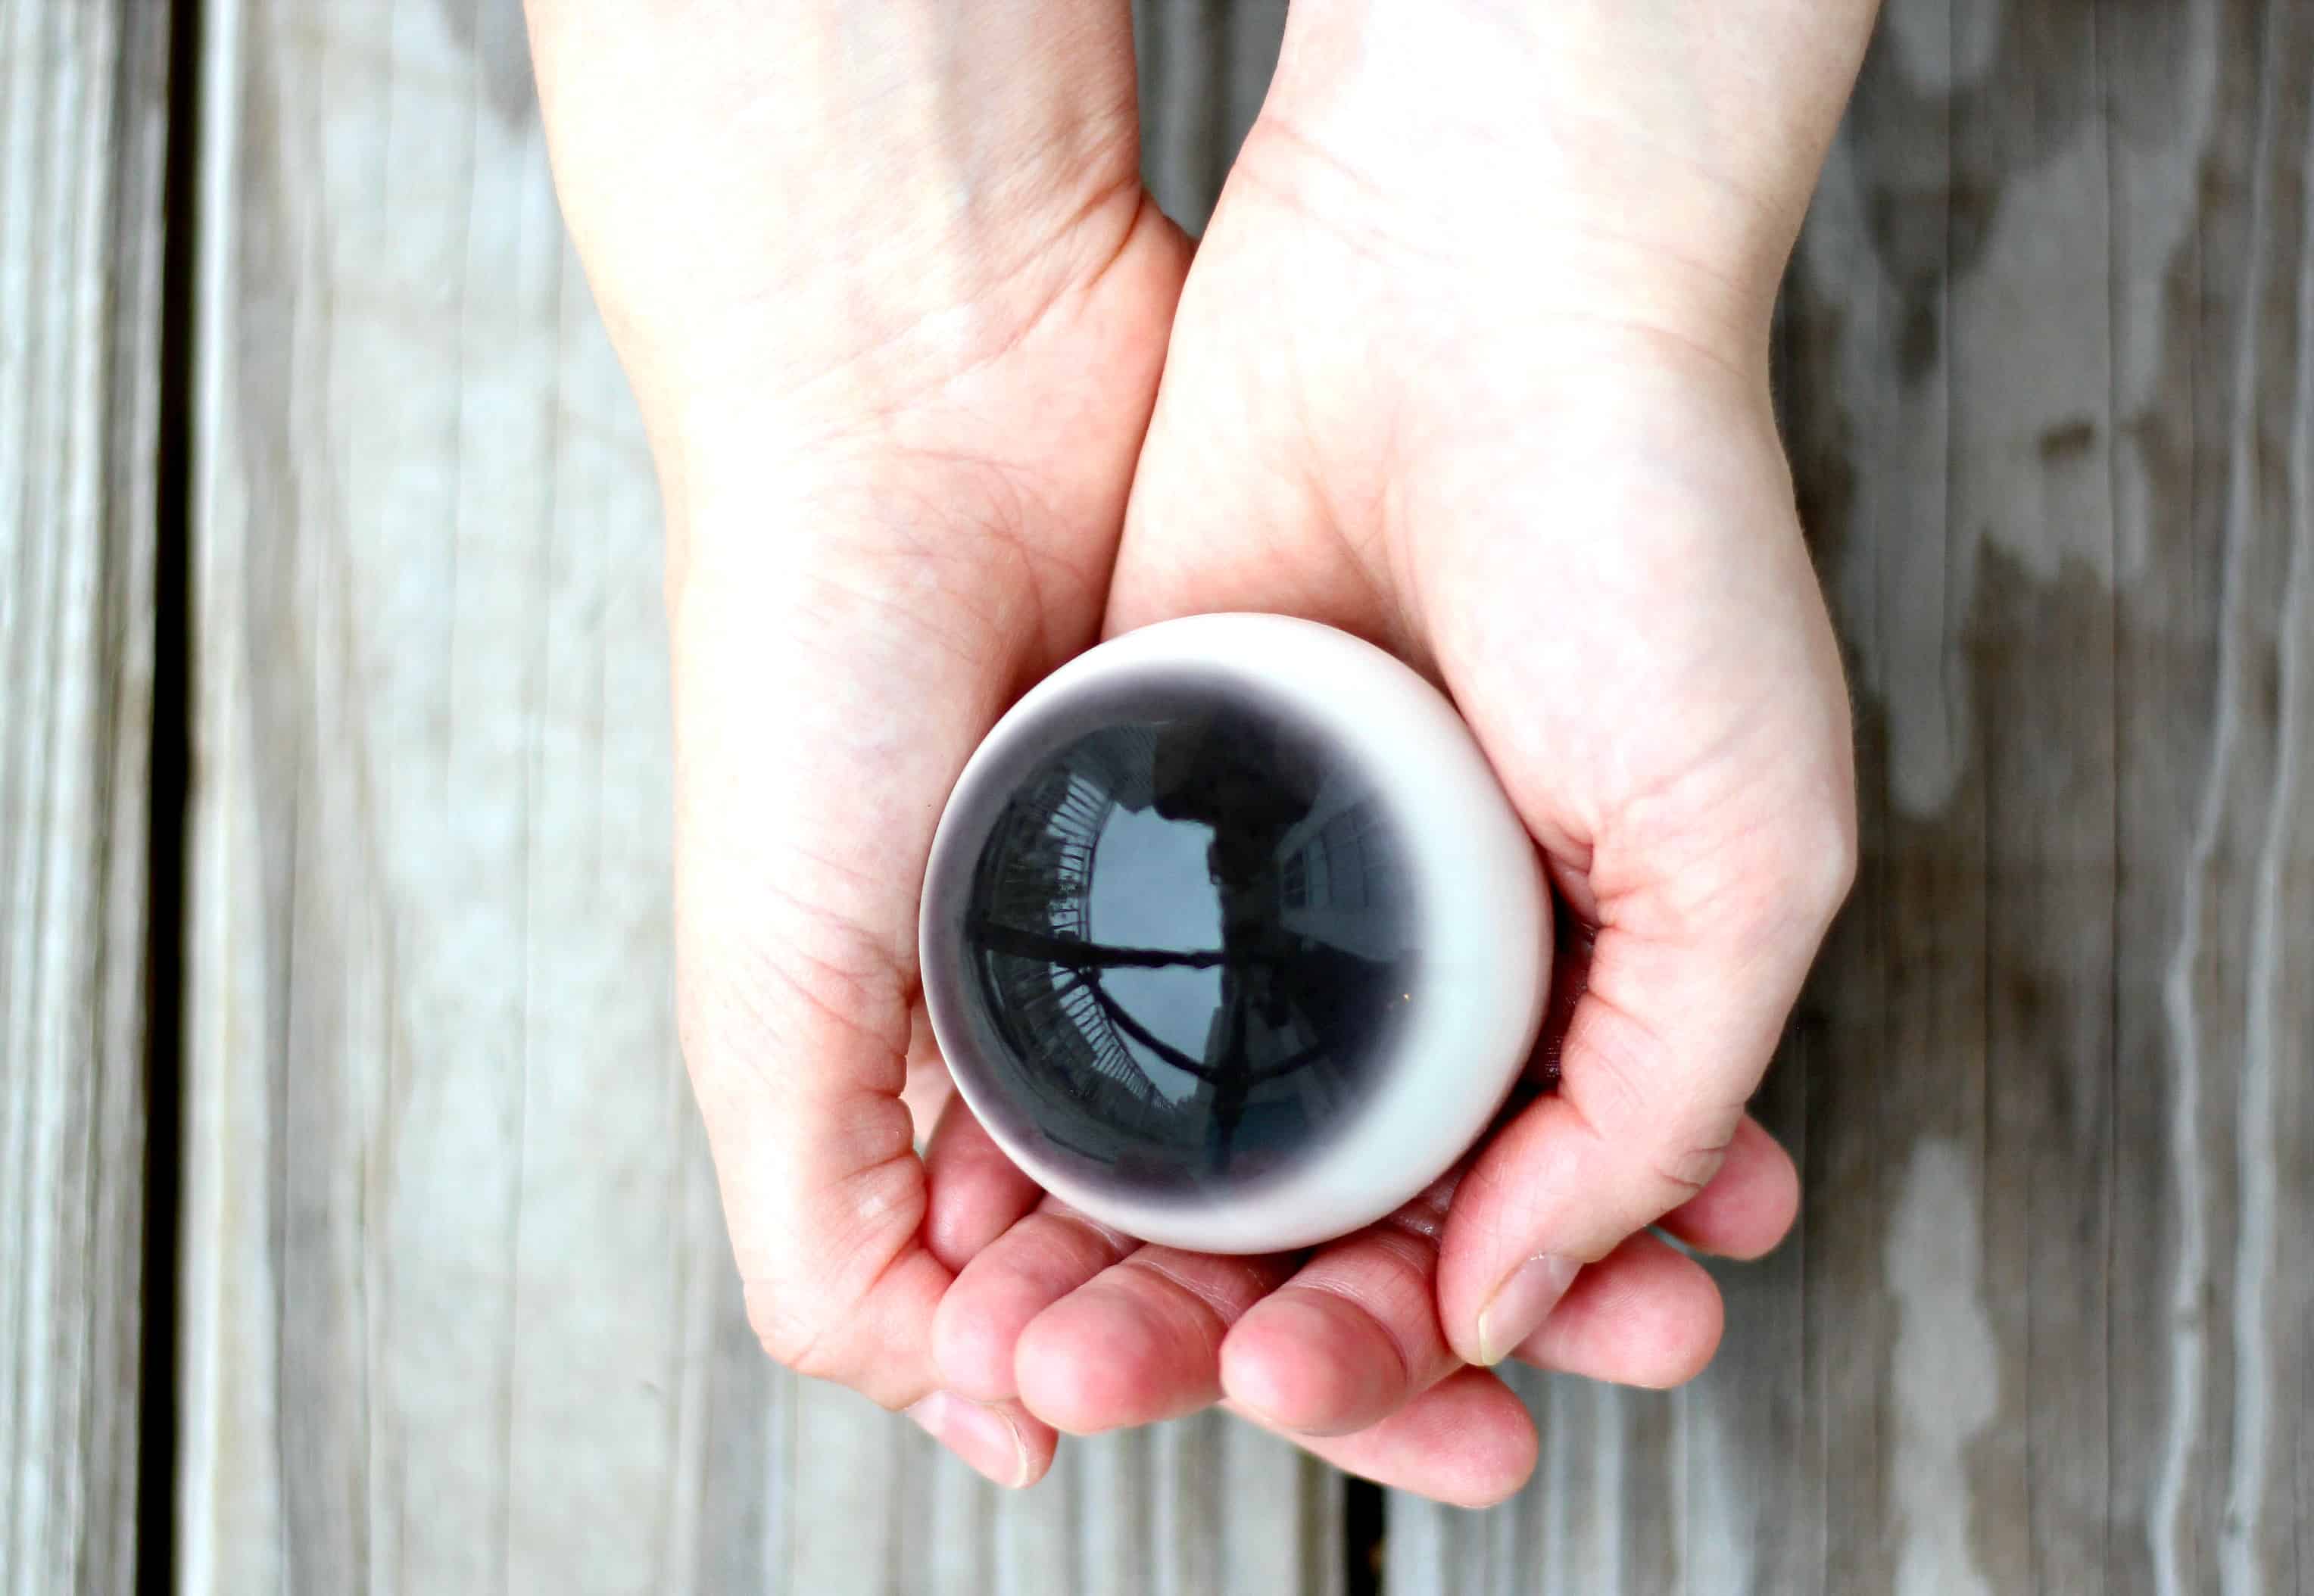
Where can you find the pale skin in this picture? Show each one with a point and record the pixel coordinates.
(1471, 362)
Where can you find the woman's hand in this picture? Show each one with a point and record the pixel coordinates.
(894, 305)
(1472, 362)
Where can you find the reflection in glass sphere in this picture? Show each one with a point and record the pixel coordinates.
(1190, 938)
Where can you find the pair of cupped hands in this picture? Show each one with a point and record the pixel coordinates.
(1471, 362)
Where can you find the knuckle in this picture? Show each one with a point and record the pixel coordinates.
(812, 1345)
(1624, 1066)
(1825, 858)
(1686, 1162)
(833, 1341)
(1796, 872)
(1673, 1151)
(788, 1337)
(1683, 1172)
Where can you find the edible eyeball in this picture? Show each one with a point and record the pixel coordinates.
(1230, 938)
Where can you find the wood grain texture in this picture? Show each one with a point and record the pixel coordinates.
(2045, 372)
(459, 1309)
(83, 126)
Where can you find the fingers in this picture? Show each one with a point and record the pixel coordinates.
(1645, 1315)
(1352, 1336)
(1000, 1440)
(1749, 1205)
(978, 1326)
(1467, 1440)
(1141, 1342)
(1346, 1356)
(1355, 1334)
(1309, 1362)
(977, 1193)
(818, 1172)
(1665, 1045)
(1097, 1332)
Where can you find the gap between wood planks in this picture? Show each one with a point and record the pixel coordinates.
(169, 812)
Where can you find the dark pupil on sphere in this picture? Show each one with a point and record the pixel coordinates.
(1191, 930)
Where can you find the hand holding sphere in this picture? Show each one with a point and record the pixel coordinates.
(1230, 938)
(1494, 397)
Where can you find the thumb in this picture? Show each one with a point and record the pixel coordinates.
(1660, 1054)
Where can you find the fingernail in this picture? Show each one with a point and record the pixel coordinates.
(1521, 1303)
(984, 1437)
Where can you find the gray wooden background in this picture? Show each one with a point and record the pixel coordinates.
(333, 849)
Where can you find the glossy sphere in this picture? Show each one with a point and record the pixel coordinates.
(1188, 928)
(1229, 938)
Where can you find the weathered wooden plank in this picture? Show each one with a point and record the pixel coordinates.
(2046, 1321)
(2045, 373)
(459, 1309)
(82, 142)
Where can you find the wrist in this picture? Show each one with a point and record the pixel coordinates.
(1634, 163)
(1017, 451)
(1026, 406)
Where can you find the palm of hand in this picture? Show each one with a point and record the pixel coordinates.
(894, 423)
(832, 676)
